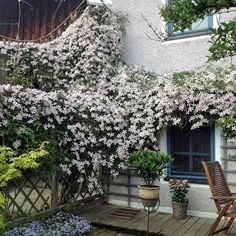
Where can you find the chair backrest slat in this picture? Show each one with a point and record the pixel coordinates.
(216, 181)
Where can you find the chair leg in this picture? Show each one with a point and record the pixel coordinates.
(214, 226)
(230, 222)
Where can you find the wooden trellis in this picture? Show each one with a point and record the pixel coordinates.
(2, 70)
(229, 161)
(33, 195)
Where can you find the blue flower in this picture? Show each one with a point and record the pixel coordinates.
(60, 224)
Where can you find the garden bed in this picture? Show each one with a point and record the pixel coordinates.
(60, 224)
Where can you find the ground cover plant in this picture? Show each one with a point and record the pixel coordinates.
(61, 224)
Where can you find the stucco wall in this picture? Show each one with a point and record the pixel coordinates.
(154, 55)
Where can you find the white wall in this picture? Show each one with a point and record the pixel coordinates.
(161, 57)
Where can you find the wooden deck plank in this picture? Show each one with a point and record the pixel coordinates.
(160, 223)
(174, 227)
(232, 231)
(141, 225)
(139, 217)
(97, 215)
(223, 223)
(195, 228)
(168, 225)
(125, 223)
(205, 227)
(185, 227)
(112, 221)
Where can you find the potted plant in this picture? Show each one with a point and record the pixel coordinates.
(179, 190)
(149, 165)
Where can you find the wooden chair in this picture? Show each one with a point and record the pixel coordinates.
(225, 201)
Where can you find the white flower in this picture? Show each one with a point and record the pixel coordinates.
(16, 144)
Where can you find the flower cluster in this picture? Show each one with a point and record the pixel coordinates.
(102, 125)
(179, 190)
(61, 225)
(87, 51)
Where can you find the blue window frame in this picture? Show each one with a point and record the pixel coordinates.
(189, 148)
(200, 27)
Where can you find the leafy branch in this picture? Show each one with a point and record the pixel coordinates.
(182, 14)
(11, 167)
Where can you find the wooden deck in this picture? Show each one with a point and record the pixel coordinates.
(160, 223)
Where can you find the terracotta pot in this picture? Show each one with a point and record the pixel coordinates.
(180, 210)
(149, 195)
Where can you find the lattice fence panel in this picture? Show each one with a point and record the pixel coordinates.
(72, 189)
(32, 194)
(28, 195)
(229, 161)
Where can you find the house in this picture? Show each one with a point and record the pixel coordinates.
(181, 52)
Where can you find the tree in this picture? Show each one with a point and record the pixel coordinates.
(183, 13)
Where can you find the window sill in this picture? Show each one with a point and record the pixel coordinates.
(175, 39)
(100, 2)
(192, 180)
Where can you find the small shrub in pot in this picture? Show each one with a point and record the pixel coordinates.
(148, 165)
(179, 191)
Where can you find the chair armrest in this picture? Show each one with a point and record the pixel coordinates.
(232, 197)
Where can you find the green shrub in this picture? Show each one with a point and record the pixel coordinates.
(11, 167)
(149, 165)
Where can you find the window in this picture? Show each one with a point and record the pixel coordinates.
(200, 27)
(189, 148)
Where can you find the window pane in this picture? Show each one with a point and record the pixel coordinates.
(180, 142)
(181, 163)
(200, 24)
(201, 140)
(189, 148)
(197, 163)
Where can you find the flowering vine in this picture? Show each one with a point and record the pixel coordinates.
(104, 111)
(87, 51)
(102, 126)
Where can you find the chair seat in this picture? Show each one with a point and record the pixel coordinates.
(231, 213)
